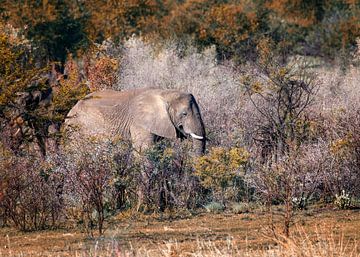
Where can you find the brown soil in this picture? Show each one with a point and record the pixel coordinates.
(248, 230)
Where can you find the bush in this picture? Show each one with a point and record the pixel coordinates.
(221, 169)
(300, 174)
(241, 207)
(95, 180)
(336, 123)
(214, 207)
(166, 178)
(31, 195)
(343, 200)
(281, 95)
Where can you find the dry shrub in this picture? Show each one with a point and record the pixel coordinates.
(95, 179)
(307, 137)
(31, 193)
(344, 154)
(293, 181)
(281, 94)
(336, 120)
(159, 180)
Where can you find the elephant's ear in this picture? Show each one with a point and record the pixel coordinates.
(151, 113)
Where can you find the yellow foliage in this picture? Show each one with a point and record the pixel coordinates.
(282, 72)
(220, 166)
(257, 87)
(5, 154)
(238, 157)
(341, 147)
(168, 152)
(14, 75)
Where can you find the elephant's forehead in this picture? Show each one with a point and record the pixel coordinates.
(184, 101)
(181, 103)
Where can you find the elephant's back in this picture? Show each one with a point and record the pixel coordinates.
(103, 112)
(106, 98)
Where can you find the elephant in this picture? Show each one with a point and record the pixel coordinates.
(142, 115)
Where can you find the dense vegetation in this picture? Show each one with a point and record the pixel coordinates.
(317, 28)
(277, 83)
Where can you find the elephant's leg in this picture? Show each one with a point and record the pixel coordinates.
(142, 140)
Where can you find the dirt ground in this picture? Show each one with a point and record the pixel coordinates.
(248, 230)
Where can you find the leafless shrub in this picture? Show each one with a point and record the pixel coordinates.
(291, 181)
(95, 180)
(31, 196)
(280, 94)
(335, 121)
(344, 154)
(288, 166)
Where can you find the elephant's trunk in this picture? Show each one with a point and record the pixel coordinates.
(197, 132)
(198, 137)
(199, 146)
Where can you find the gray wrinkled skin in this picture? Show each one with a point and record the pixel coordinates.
(141, 115)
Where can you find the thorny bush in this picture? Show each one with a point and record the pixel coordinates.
(30, 193)
(96, 177)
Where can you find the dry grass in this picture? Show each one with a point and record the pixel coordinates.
(316, 233)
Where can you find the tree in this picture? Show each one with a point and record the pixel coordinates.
(22, 87)
(29, 102)
(280, 95)
(60, 36)
(119, 20)
(50, 24)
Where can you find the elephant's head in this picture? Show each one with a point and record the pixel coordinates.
(173, 114)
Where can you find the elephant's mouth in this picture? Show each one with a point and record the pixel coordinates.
(183, 134)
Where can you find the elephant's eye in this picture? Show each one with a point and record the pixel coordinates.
(184, 113)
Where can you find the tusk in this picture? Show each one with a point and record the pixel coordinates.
(196, 136)
(17, 132)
